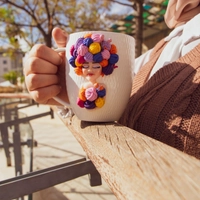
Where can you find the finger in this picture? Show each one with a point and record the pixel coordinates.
(45, 53)
(36, 81)
(60, 37)
(44, 95)
(39, 66)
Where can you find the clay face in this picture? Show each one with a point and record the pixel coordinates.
(91, 71)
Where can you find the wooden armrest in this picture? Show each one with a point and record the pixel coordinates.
(136, 166)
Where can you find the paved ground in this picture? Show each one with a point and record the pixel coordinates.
(56, 145)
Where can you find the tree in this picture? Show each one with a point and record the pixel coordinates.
(137, 6)
(11, 76)
(34, 20)
(140, 12)
(139, 23)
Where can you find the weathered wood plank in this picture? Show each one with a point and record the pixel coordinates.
(136, 166)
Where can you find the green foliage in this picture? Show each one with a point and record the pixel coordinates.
(11, 30)
(13, 76)
(33, 21)
(6, 15)
(21, 79)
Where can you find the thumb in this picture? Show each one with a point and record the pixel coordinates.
(60, 37)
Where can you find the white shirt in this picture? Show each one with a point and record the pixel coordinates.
(180, 41)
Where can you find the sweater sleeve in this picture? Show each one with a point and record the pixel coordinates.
(166, 107)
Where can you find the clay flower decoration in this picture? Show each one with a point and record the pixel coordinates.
(93, 56)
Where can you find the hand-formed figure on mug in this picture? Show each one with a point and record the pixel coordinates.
(92, 57)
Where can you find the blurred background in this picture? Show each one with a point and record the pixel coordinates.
(24, 23)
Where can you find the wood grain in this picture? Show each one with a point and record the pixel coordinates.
(136, 166)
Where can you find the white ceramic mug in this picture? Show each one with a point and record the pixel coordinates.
(117, 85)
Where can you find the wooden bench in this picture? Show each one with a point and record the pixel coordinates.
(136, 166)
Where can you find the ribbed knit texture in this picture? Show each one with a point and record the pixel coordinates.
(167, 106)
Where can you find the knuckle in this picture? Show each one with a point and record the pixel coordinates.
(33, 64)
(38, 96)
(26, 66)
(38, 49)
(32, 81)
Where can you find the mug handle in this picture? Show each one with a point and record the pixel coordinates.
(57, 98)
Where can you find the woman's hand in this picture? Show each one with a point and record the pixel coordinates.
(44, 71)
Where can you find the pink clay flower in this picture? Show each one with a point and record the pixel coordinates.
(91, 94)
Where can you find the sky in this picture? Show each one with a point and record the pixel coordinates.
(120, 9)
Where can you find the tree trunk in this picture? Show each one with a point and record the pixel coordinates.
(139, 27)
(48, 39)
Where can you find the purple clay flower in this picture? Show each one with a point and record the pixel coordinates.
(97, 58)
(113, 58)
(89, 104)
(101, 93)
(108, 69)
(79, 42)
(87, 41)
(72, 61)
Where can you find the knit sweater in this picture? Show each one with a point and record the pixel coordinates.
(166, 107)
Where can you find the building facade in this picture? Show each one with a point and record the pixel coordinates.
(10, 63)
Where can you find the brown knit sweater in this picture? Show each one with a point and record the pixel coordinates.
(167, 106)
